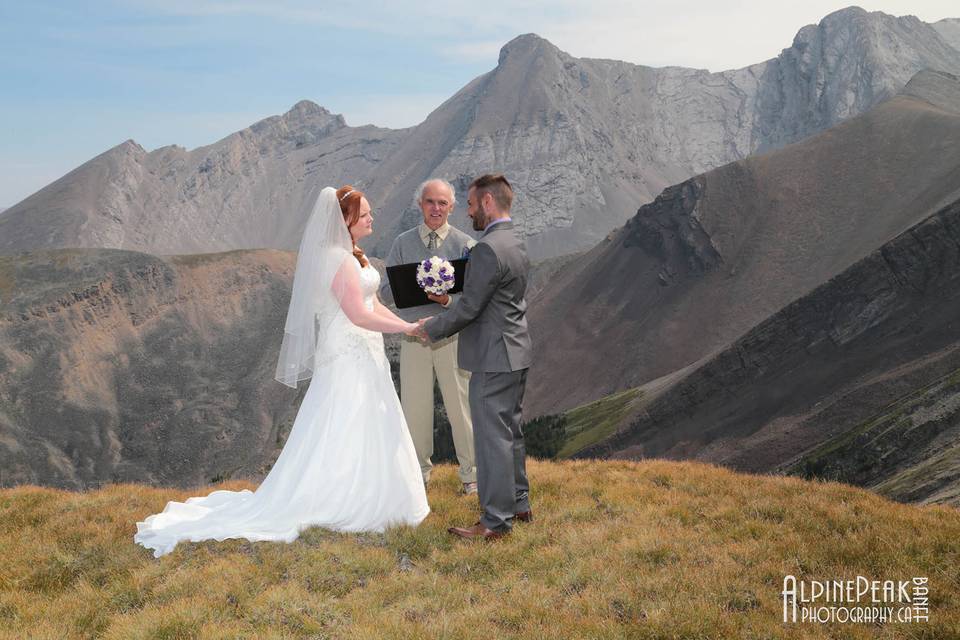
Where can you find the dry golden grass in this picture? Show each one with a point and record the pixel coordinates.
(619, 550)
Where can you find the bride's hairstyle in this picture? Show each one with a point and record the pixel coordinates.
(349, 199)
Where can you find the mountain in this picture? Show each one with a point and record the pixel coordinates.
(949, 30)
(119, 366)
(857, 381)
(849, 62)
(714, 256)
(585, 141)
(250, 190)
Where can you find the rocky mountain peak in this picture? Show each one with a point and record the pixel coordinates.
(850, 61)
(307, 107)
(848, 15)
(859, 18)
(522, 49)
(852, 27)
(306, 111)
(949, 30)
(121, 154)
(128, 146)
(304, 123)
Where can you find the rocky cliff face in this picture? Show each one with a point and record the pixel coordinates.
(856, 381)
(949, 30)
(842, 66)
(714, 256)
(584, 141)
(118, 366)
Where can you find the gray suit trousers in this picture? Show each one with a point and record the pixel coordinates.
(495, 404)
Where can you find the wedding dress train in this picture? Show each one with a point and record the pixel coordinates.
(348, 464)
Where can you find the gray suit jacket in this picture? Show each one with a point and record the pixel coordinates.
(491, 313)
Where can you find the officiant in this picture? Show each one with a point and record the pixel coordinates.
(420, 363)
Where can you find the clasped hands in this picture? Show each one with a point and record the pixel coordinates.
(417, 331)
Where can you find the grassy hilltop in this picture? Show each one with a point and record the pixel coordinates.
(653, 549)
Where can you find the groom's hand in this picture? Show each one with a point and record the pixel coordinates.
(420, 333)
(443, 300)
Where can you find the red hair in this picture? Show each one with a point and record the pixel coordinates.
(349, 199)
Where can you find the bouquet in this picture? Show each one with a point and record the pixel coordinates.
(435, 275)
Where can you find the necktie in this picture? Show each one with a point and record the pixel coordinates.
(432, 243)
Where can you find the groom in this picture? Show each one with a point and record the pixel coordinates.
(495, 346)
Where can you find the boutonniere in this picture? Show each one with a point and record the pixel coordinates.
(466, 253)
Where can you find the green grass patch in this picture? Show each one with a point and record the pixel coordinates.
(593, 422)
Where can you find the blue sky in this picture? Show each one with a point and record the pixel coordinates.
(77, 78)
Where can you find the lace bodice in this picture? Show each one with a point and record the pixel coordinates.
(345, 338)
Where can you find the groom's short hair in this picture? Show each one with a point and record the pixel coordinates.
(495, 184)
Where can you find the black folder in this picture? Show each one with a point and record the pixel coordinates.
(407, 293)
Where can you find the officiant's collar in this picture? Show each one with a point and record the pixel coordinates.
(441, 232)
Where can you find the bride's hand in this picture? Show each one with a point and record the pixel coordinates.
(417, 331)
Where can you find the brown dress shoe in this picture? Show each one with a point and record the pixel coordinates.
(523, 516)
(477, 531)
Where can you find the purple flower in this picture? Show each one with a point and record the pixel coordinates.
(427, 265)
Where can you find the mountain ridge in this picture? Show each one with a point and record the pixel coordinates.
(949, 30)
(715, 255)
(857, 381)
(584, 141)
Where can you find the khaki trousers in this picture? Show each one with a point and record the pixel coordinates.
(418, 365)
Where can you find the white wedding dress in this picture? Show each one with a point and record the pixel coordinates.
(348, 464)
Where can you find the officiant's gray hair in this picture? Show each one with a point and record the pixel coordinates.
(418, 195)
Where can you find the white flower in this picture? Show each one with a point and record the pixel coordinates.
(435, 275)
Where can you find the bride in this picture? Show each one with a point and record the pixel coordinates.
(349, 463)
